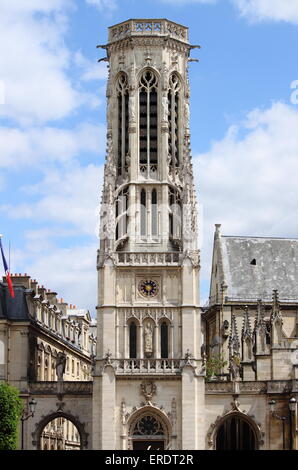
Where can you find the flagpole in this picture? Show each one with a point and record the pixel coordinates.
(9, 255)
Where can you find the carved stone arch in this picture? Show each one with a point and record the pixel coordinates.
(132, 318)
(148, 317)
(121, 188)
(39, 427)
(156, 413)
(180, 78)
(236, 412)
(165, 318)
(149, 68)
(117, 76)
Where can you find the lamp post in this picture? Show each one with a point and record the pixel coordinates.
(283, 419)
(26, 415)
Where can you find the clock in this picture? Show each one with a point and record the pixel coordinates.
(148, 288)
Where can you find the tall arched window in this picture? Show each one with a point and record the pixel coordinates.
(148, 123)
(121, 214)
(132, 340)
(175, 214)
(122, 111)
(164, 340)
(173, 118)
(154, 228)
(143, 213)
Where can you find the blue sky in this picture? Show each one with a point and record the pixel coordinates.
(244, 120)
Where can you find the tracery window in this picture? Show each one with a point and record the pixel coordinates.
(173, 119)
(148, 425)
(122, 112)
(148, 89)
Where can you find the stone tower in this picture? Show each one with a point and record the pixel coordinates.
(148, 380)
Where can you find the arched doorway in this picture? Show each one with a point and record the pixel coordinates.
(148, 432)
(235, 433)
(61, 431)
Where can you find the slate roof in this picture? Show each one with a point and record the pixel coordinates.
(254, 266)
(14, 309)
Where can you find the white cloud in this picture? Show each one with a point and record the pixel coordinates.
(276, 10)
(103, 4)
(183, 2)
(69, 197)
(71, 272)
(40, 146)
(91, 70)
(35, 62)
(249, 183)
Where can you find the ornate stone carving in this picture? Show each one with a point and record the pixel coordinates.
(148, 390)
(148, 339)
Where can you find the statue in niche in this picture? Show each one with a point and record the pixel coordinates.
(60, 365)
(164, 104)
(148, 340)
(131, 110)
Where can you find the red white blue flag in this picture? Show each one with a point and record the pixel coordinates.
(7, 274)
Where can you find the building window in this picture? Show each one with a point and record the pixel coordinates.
(164, 340)
(122, 107)
(121, 214)
(148, 87)
(175, 214)
(132, 340)
(154, 228)
(143, 213)
(173, 119)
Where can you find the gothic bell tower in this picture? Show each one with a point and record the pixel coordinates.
(148, 380)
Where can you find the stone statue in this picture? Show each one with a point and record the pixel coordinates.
(131, 110)
(235, 367)
(164, 104)
(148, 337)
(60, 365)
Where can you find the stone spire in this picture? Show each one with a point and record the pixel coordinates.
(247, 337)
(234, 351)
(276, 320)
(260, 329)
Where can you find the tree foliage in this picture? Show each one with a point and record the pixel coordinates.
(10, 412)
(214, 366)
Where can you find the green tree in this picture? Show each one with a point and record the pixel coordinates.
(214, 366)
(10, 412)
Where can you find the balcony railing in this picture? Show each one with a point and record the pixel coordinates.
(158, 27)
(148, 259)
(153, 366)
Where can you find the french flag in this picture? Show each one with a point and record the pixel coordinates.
(7, 274)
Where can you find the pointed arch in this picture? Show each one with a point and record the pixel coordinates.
(148, 96)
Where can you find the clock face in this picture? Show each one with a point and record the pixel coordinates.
(148, 288)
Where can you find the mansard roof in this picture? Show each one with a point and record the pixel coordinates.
(250, 268)
(13, 309)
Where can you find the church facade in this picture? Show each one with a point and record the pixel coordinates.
(169, 374)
